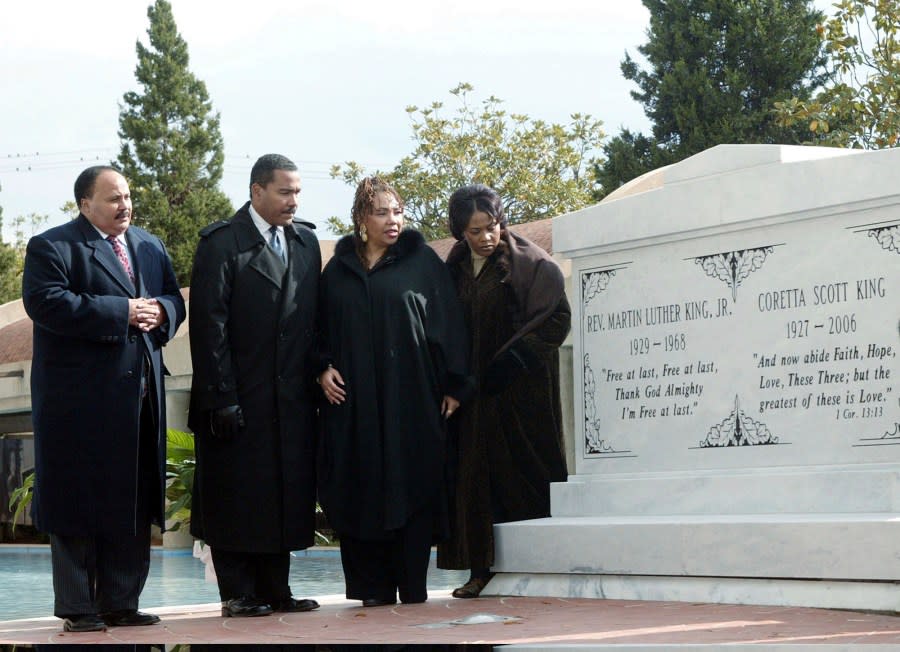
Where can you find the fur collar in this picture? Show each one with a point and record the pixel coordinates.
(408, 242)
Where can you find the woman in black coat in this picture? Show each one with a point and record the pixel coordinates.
(394, 360)
(510, 436)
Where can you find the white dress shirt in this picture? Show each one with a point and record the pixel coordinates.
(122, 241)
(264, 227)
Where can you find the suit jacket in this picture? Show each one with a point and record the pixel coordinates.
(253, 321)
(86, 375)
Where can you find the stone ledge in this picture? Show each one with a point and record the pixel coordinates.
(767, 491)
(877, 596)
(835, 546)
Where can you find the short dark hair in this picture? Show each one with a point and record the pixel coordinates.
(470, 199)
(264, 169)
(84, 184)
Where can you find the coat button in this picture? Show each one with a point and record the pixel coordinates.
(130, 374)
(132, 338)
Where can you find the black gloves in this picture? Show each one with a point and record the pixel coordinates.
(225, 422)
(502, 372)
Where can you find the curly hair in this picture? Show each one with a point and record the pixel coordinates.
(364, 199)
(363, 204)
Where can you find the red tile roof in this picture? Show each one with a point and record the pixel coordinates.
(15, 341)
(539, 232)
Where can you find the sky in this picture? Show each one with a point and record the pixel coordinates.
(320, 82)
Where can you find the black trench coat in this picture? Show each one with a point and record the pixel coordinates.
(397, 337)
(252, 327)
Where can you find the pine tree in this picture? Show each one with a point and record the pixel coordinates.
(171, 147)
(715, 69)
(626, 157)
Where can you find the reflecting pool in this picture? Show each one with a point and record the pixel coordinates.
(176, 578)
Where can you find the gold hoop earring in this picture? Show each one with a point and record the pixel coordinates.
(363, 235)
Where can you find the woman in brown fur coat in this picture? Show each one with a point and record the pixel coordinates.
(510, 437)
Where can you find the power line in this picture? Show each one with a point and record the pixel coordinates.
(48, 165)
(35, 162)
(63, 153)
(114, 149)
(308, 175)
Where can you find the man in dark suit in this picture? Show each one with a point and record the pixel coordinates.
(252, 327)
(104, 300)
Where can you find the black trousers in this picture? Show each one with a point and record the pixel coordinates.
(382, 569)
(98, 574)
(106, 572)
(258, 575)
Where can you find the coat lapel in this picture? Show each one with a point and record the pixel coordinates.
(103, 255)
(298, 267)
(140, 259)
(299, 258)
(265, 261)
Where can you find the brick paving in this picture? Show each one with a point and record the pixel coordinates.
(496, 620)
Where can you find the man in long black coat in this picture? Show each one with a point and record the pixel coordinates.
(252, 324)
(104, 300)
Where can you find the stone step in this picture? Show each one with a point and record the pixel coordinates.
(813, 546)
(824, 594)
(768, 492)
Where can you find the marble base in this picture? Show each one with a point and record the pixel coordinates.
(858, 546)
(822, 537)
(836, 489)
(875, 596)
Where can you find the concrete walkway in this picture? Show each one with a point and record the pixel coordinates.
(544, 623)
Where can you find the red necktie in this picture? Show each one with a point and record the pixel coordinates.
(120, 254)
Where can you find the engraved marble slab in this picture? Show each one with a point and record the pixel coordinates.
(772, 345)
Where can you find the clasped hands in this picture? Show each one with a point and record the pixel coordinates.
(146, 314)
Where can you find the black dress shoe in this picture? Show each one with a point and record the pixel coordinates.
(129, 618)
(377, 602)
(84, 623)
(245, 607)
(292, 605)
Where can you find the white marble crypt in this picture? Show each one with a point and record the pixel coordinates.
(737, 420)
